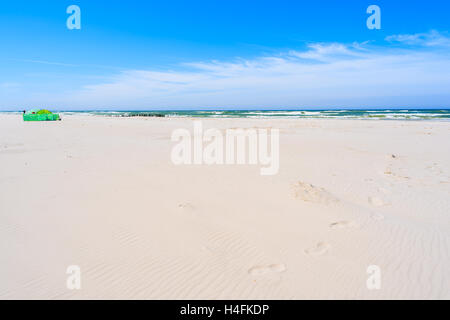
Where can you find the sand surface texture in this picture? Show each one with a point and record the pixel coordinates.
(102, 193)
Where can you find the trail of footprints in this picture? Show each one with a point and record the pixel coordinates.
(343, 224)
(322, 247)
(309, 193)
(319, 249)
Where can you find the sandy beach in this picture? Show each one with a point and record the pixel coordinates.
(102, 193)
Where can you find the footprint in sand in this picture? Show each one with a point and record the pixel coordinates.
(187, 209)
(344, 225)
(185, 206)
(262, 270)
(320, 249)
(308, 192)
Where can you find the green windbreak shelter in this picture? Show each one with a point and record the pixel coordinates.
(40, 115)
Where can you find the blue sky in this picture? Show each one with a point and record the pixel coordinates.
(224, 55)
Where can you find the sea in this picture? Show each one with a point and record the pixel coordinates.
(375, 114)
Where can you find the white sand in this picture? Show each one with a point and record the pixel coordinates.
(103, 194)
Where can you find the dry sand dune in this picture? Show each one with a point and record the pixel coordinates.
(103, 194)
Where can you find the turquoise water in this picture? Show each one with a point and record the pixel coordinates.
(386, 114)
(416, 114)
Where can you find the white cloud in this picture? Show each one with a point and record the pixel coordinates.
(323, 75)
(327, 52)
(430, 39)
(46, 62)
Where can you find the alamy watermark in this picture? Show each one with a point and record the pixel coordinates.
(234, 146)
(74, 20)
(374, 21)
(74, 279)
(374, 280)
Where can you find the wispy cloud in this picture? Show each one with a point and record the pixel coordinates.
(46, 62)
(322, 75)
(64, 64)
(325, 74)
(328, 52)
(429, 39)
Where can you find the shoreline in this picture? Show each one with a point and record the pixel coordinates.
(357, 114)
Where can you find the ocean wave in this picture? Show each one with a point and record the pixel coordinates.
(370, 114)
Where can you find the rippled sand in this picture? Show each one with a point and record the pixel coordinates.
(102, 193)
